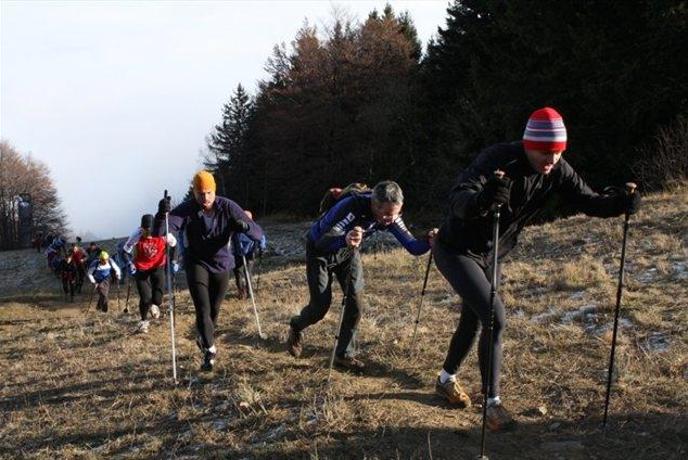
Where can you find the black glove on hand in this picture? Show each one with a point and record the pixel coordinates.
(165, 205)
(495, 192)
(632, 202)
(242, 226)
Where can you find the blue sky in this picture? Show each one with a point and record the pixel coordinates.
(118, 97)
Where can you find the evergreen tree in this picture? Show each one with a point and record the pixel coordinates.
(227, 144)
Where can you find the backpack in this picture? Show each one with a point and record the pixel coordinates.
(333, 195)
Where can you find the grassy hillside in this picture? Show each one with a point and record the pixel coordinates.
(78, 385)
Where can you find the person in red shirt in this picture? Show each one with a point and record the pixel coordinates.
(79, 258)
(148, 267)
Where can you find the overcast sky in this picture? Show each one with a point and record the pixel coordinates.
(117, 97)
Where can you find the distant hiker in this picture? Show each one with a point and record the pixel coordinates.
(148, 267)
(209, 222)
(55, 253)
(68, 274)
(92, 252)
(100, 272)
(121, 259)
(79, 257)
(534, 172)
(329, 251)
(37, 242)
(242, 245)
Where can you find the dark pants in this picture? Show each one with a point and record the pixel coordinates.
(150, 284)
(207, 291)
(103, 291)
(80, 275)
(470, 278)
(240, 275)
(69, 284)
(319, 271)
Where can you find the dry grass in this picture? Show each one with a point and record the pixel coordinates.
(82, 386)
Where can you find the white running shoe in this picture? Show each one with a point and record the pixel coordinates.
(143, 327)
(155, 311)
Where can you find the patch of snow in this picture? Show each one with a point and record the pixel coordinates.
(647, 276)
(657, 342)
(543, 317)
(680, 270)
(585, 312)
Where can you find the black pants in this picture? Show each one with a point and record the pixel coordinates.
(207, 291)
(319, 271)
(150, 284)
(68, 285)
(470, 278)
(103, 291)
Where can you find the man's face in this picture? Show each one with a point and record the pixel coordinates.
(205, 198)
(543, 161)
(385, 213)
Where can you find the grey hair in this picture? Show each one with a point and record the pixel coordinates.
(388, 191)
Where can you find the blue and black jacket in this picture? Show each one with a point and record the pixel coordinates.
(327, 235)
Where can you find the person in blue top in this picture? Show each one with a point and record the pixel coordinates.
(243, 247)
(208, 223)
(99, 273)
(330, 245)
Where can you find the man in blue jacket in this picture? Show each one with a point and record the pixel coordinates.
(243, 247)
(330, 250)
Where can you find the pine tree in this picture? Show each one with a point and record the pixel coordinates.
(227, 143)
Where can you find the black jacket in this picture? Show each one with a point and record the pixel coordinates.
(467, 228)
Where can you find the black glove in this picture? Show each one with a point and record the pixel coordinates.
(242, 226)
(495, 192)
(165, 205)
(632, 202)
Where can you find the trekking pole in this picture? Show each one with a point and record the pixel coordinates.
(90, 300)
(117, 293)
(126, 302)
(341, 316)
(493, 294)
(630, 189)
(168, 267)
(420, 305)
(261, 334)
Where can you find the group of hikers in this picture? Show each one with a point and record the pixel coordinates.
(516, 178)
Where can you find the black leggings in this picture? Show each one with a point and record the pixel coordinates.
(471, 280)
(207, 291)
(150, 284)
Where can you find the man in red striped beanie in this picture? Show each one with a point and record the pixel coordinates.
(533, 172)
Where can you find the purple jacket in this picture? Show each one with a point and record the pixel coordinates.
(206, 237)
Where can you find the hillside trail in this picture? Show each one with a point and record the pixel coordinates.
(85, 385)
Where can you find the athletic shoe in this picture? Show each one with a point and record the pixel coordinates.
(143, 327)
(349, 363)
(453, 393)
(208, 361)
(498, 418)
(155, 311)
(295, 342)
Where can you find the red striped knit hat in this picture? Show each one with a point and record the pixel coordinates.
(545, 131)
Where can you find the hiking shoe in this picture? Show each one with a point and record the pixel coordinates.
(453, 393)
(208, 361)
(155, 311)
(143, 327)
(498, 418)
(350, 363)
(295, 342)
